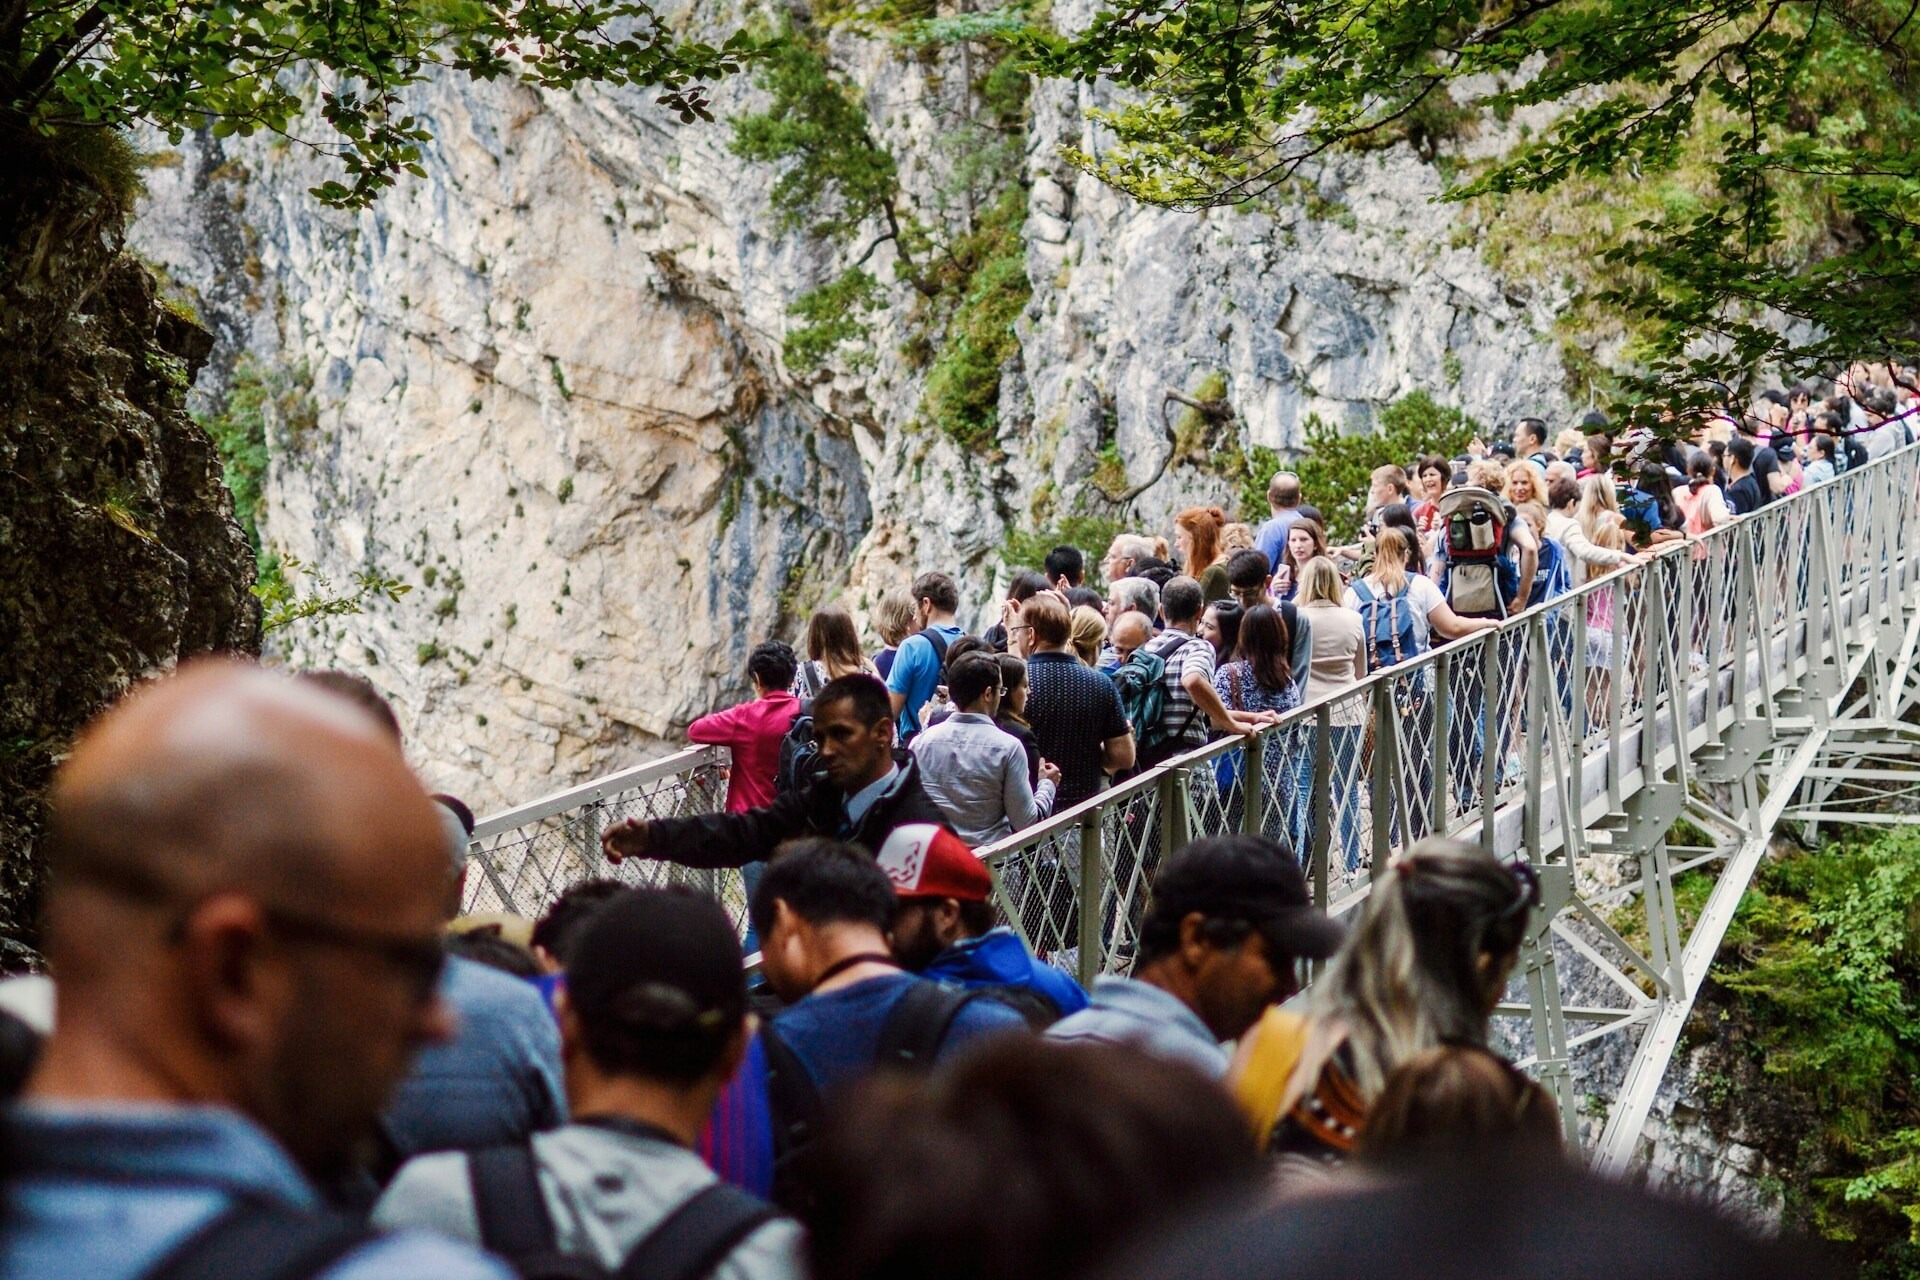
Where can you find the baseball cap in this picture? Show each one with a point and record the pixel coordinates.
(928, 861)
(663, 960)
(1247, 878)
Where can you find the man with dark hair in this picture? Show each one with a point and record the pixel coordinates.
(1066, 567)
(1250, 578)
(823, 912)
(556, 932)
(916, 668)
(1029, 1159)
(1744, 494)
(948, 929)
(1076, 715)
(860, 793)
(1530, 440)
(1230, 916)
(654, 1023)
(1191, 702)
(1283, 508)
(1821, 452)
(241, 983)
(752, 731)
(974, 771)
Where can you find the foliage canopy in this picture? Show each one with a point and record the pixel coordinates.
(1792, 106)
(242, 66)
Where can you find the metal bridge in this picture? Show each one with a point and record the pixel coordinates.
(1659, 721)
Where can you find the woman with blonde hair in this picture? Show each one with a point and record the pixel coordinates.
(1600, 511)
(893, 619)
(1339, 647)
(1425, 966)
(1375, 598)
(833, 650)
(1237, 536)
(1196, 535)
(1526, 482)
(1086, 632)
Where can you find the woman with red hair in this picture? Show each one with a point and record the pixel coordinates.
(1196, 535)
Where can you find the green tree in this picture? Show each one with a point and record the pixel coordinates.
(1335, 467)
(1797, 235)
(243, 66)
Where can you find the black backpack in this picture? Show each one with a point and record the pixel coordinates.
(910, 1039)
(798, 750)
(686, 1245)
(254, 1241)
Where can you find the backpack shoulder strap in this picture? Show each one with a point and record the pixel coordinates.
(507, 1202)
(939, 643)
(795, 1102)
(254, 1241)
(695, 1238)
(918, 1024)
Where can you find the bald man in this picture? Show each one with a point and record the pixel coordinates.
(245, 888)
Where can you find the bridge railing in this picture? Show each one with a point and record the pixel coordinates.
(1565, 711)
(525, 857)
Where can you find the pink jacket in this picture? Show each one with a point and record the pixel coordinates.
(753, 731)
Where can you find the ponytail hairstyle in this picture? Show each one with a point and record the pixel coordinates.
(1393, 550)
(1700, 472)
(1430, 957)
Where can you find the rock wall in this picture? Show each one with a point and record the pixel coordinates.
(550, 393)
(119, 554)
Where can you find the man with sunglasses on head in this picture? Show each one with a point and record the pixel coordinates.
(245, 892)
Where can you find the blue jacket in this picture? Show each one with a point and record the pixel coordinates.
(999, 959)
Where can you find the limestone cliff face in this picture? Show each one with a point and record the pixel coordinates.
(550, 390)
(119, 554)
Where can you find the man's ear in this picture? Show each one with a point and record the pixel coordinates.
(569, 1019)
(1194, 944)
(223, 948)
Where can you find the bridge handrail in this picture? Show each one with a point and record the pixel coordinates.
(1597, 692)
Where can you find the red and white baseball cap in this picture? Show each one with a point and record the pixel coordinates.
(927, 861)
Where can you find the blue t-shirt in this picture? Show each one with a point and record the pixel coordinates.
(1272, 538)
(915, 675)
(836, 1035)
(497, 1081)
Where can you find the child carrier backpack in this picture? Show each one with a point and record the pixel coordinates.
(1392, 634)
(1481, 578)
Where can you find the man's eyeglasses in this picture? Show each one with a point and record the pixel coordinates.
(418, 961)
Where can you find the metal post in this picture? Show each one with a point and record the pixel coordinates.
(1442, 728)
(1386, 751)
(1093, 865)
(1490, 707)
(1539, 674)
(1253, 783)
(1325, 815)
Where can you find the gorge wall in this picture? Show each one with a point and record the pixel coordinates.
(545, 385)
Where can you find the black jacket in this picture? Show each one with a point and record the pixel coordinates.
(735, 839)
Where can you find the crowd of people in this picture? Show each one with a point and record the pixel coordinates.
(273, 1052)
